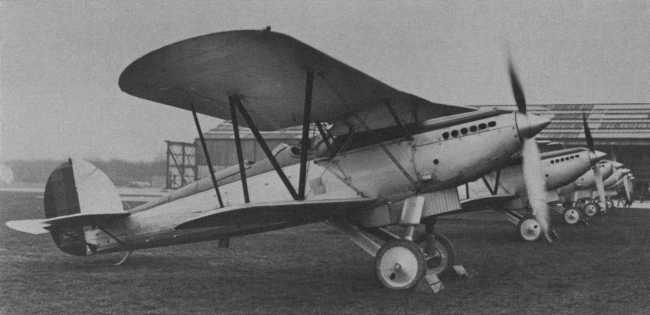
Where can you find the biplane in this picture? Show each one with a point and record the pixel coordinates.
(505, 191)
(619, 187)
(587, 193)
(379, 157)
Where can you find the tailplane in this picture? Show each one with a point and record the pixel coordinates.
(76, 194)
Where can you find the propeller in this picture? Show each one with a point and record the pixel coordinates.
(600, 187)
(532, 165)
(627, 184)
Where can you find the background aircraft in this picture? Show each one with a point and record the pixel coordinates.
(506, 190)
(389, 159)
(580, 193)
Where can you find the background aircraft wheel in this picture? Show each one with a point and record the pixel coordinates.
(610, 204)
(590, 209)
(399, 264)
(529, 229)
(571, 216)
(439, 254)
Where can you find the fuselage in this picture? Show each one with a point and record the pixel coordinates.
(611, 181)
(559, 168)
(587, 180)
(437, 156)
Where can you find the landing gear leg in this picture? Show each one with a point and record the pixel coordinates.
(439, 255)
(401, 263)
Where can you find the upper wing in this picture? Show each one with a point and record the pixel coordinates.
(278, 212)
(268, 71)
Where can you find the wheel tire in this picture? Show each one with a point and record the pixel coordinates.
(529, 229)
(571, 216)
(399, 264)
(439, 253)
(610, 204)
(590, 209)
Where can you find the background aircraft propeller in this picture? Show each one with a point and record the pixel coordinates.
(532, 165)
(627, 184)
(596, 168)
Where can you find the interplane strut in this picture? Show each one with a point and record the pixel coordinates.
(207, 155)
(240, 156)
(235, 102)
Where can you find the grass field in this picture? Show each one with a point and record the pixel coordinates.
(603, 268)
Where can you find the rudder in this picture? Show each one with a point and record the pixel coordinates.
(77, 186)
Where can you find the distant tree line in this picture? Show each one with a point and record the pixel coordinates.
(121, 172)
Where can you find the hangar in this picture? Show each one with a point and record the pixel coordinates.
(620, 129)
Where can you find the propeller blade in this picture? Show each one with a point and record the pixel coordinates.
(517, 90)
(627, 184)
(590, 140)
(535, 185)
(600, 186)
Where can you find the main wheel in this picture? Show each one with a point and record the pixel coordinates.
(571, 216)
(439, 254)
(399, 264)
(590, 209)
(529, 229)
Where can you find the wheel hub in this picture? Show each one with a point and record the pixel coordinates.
(571, 216)
(530, 229)
(590, 209)
(400, 266)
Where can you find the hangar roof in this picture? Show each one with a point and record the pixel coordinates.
(612, 124)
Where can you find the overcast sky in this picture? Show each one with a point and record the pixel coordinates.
(60, 60)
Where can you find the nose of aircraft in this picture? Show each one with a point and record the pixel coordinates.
(596, 156)
(529, 125)
(617, 164)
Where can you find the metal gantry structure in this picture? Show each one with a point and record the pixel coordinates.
(181, 167)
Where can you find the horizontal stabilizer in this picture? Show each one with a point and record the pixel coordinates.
(98, 218)
(311, 210)
(40, 226)
(37, 226)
